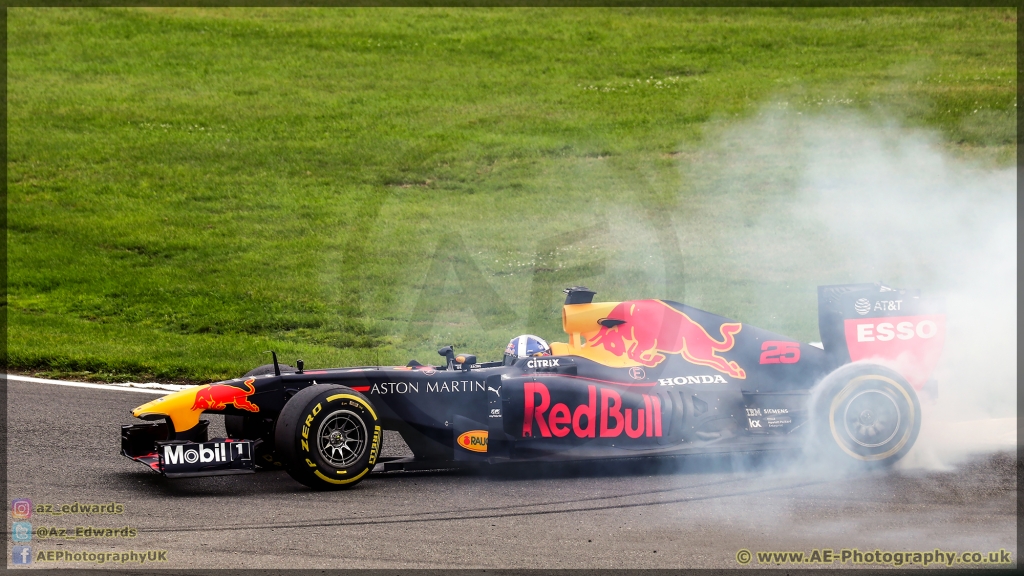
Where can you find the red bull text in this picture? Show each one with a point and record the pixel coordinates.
(584, 420)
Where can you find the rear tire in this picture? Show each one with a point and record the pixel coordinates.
(328, 437)
(868, 412)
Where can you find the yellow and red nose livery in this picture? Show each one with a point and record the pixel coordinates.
(184, 407)
(218, 396)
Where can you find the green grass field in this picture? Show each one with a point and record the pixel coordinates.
(188, 188)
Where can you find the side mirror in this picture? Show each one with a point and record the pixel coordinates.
(466, 360)
(449, 355)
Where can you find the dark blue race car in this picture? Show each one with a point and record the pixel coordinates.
(635, 378)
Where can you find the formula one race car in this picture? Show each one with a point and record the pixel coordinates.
(636, 378)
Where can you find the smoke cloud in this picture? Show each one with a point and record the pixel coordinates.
(871, 200)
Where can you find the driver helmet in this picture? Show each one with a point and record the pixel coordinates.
(525, 346)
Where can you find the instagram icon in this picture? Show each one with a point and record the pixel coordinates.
(21, 509)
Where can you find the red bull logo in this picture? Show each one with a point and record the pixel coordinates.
(646, 330)
(218, 396)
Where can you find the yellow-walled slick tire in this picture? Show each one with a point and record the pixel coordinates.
(868, 412)
(328, 437)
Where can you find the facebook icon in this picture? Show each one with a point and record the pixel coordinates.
(21, 555)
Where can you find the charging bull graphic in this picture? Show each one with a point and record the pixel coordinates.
(646, 330)
(218, 396)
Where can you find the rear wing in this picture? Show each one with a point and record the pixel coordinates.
(898, 328)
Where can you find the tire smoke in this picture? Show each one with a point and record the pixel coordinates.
(871, 200)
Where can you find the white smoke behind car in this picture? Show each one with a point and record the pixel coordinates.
(872, 200)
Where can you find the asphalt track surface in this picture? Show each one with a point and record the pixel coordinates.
(692, 513)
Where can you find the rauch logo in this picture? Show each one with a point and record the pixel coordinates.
(474, 440)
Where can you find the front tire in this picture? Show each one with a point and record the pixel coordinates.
(328, 437)
(869, 412)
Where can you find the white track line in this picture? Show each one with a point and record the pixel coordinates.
(151, 388)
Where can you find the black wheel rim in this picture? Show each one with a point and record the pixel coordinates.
(872, 418)
(342, 438)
